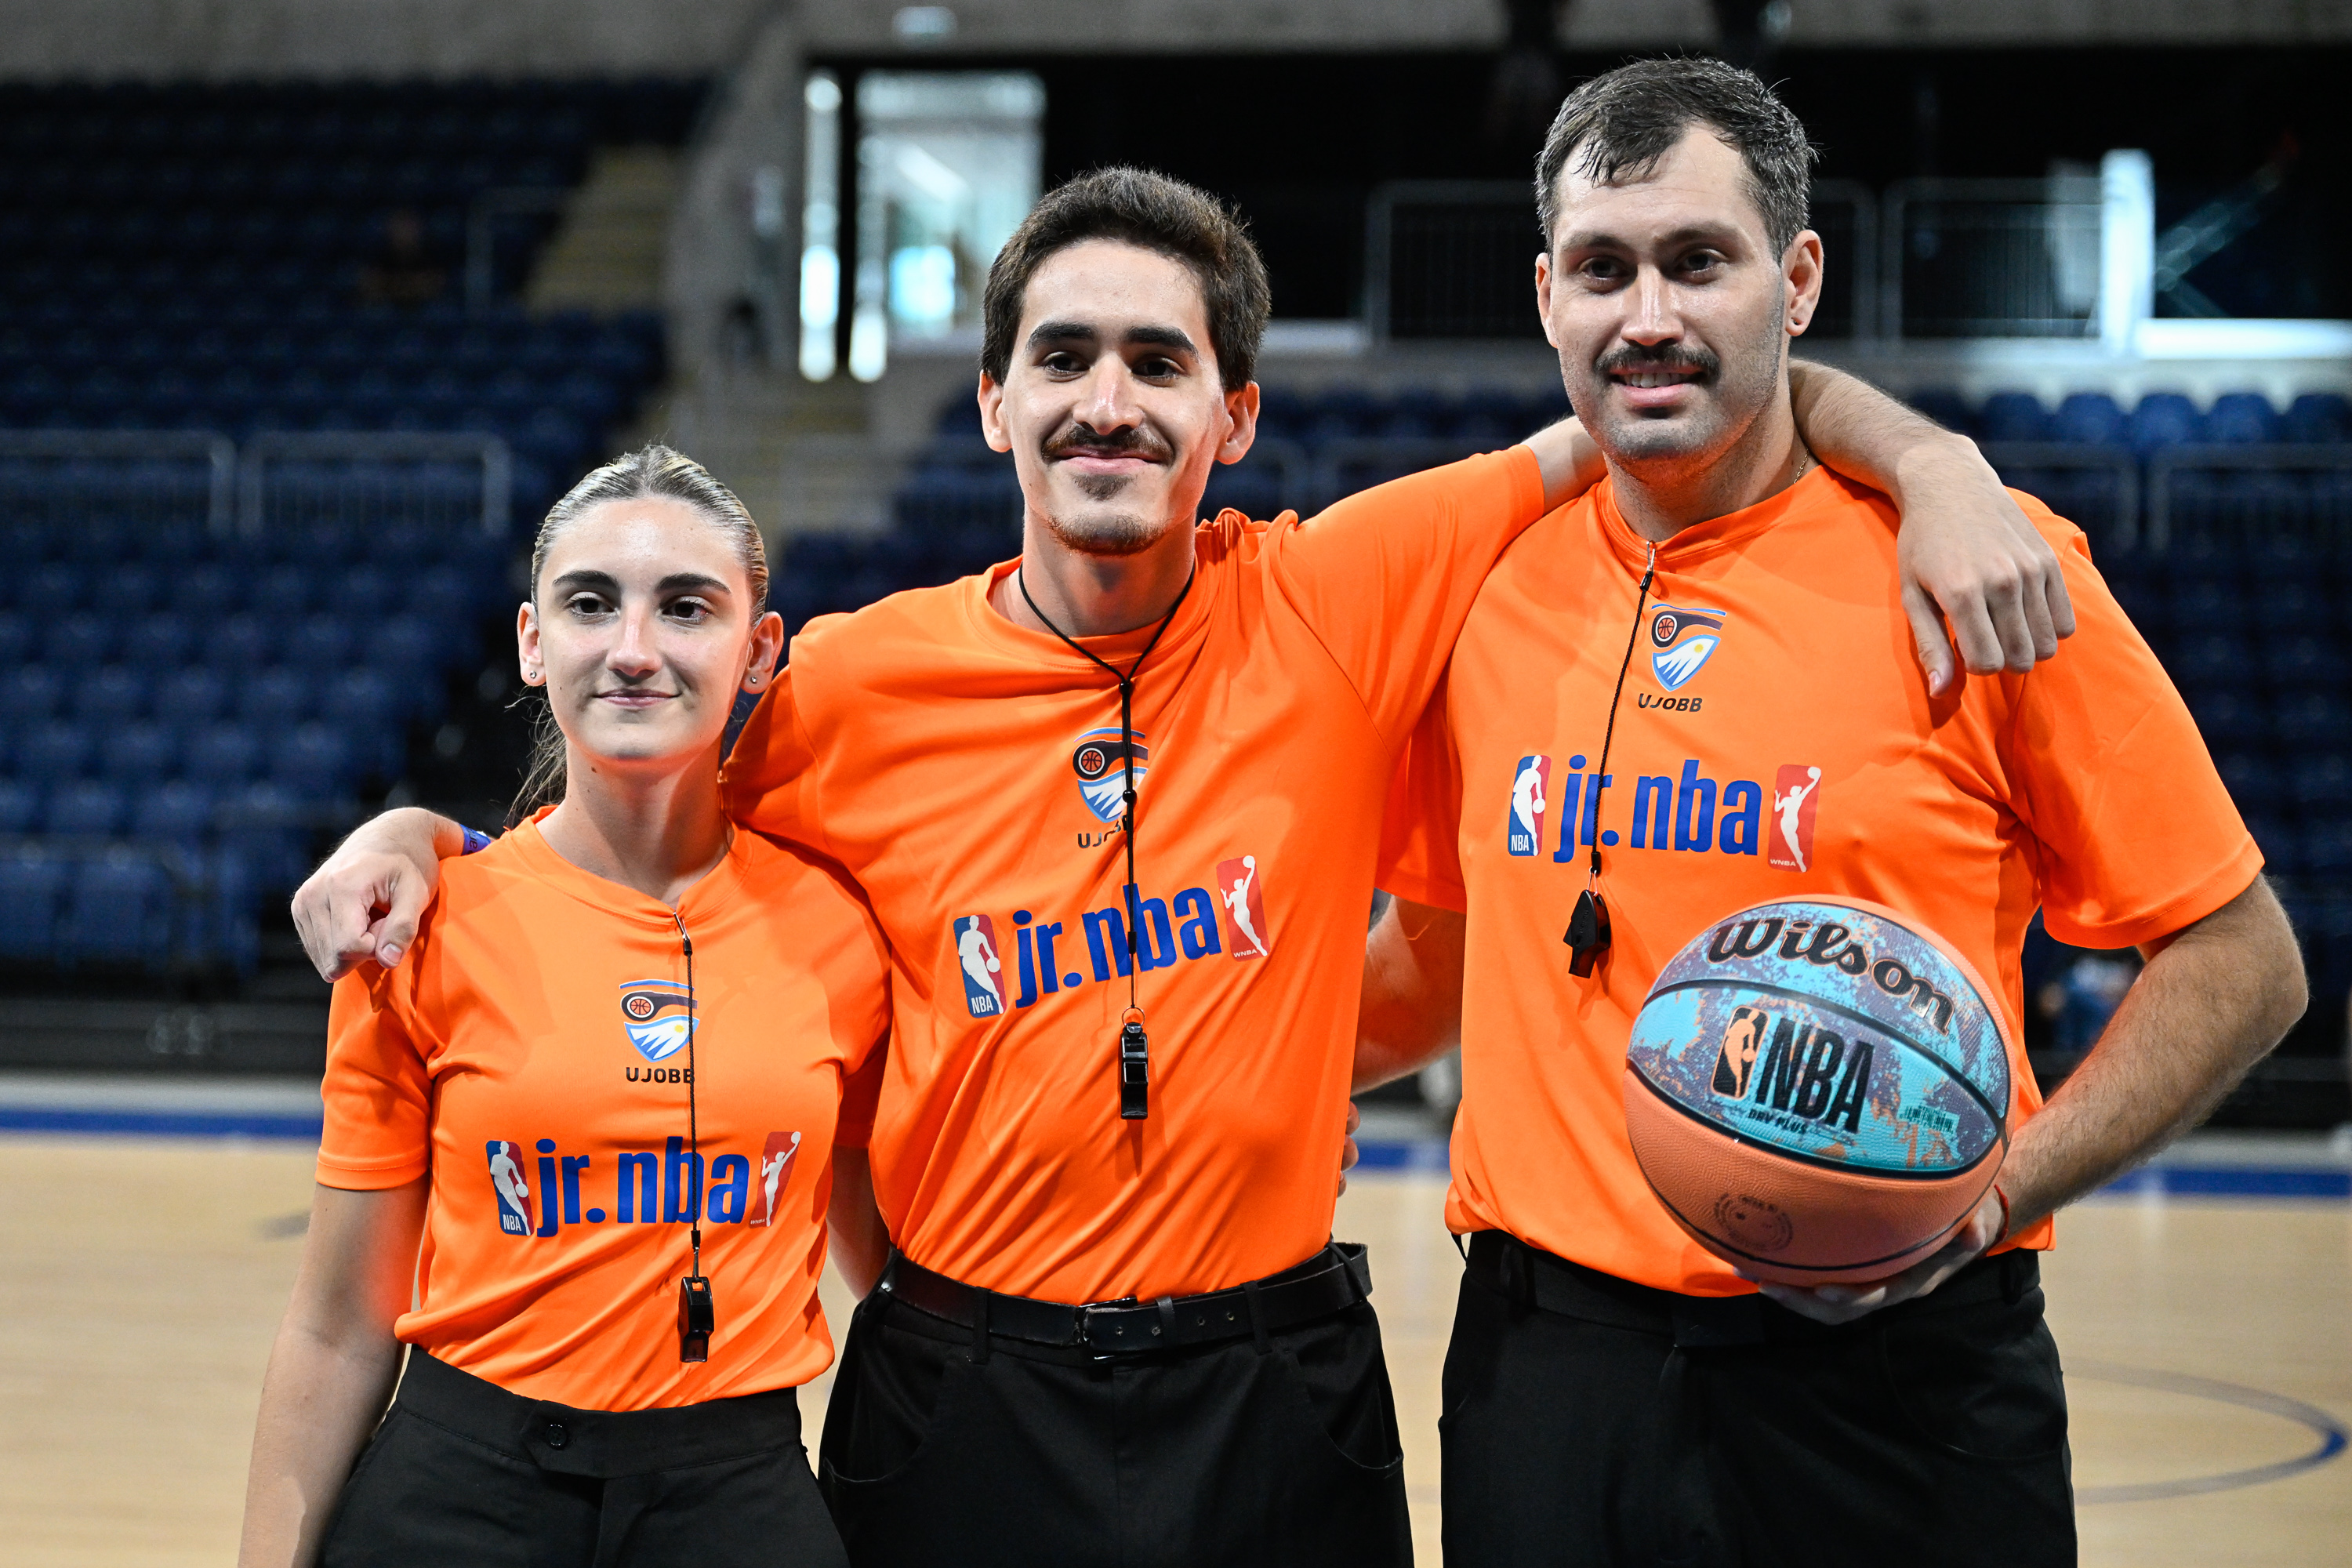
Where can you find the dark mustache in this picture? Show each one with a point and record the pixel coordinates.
(1074, 440)
(1638, 356)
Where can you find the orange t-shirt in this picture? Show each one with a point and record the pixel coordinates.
(1775, 740)
(531, 1054)
(963, 771)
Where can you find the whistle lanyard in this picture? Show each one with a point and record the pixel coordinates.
(698, 1312)
(1588, 927)
(1134, 1045)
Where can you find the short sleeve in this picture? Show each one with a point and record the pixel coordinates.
(1386, 577)
(377, 1092)
(769, 781)
(1420, 858)
(2137, 833)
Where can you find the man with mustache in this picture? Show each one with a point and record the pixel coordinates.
(1114, 1327)
(1615, 1394)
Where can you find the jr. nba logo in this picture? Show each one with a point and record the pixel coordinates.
(1246, 935)
(983, 991)
(509, 1187)
(1796, 797)
(1680, 642)
(658, 1016)
(1530, 800)
(775, 1170)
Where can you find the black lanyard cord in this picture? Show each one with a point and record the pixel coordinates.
(1588, 926)
(1134, 1063)
(696, 1312)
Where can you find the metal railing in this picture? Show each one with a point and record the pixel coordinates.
(134, 475)
(1990, 258)
(297, 478)
(482, 232)
(1454, 259)
(2305, 490)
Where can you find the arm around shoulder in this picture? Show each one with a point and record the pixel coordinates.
(1410, 1012)
(363, 901)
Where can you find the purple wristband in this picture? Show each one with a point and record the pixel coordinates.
(475, 839)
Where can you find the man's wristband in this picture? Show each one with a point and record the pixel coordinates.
(476, 839)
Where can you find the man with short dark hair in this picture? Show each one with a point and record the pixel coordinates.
(1714, 623)
(1113, 1327)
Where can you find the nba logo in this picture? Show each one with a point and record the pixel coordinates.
(1244, 907)
(975, 941)
(1743, 1040)
(658, 1016)
(1530, 799)
(510, 1188)
(775, 1169)
(1795, 795)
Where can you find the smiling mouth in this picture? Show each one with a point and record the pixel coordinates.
(1654, 378)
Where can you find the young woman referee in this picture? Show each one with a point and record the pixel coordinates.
(577, 1151)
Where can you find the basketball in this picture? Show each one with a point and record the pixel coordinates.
(1818, 1090)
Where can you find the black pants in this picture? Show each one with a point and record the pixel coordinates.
(1592, 1422)
(466, 1474)
(944, 1446)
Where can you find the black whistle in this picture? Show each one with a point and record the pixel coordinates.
(697, 1316)
(1587, 933)
(1134, 1069)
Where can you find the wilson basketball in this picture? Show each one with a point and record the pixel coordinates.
(1818, 1090)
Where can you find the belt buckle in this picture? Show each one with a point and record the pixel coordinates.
(1092, 1313)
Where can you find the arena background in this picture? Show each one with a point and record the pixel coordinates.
(307, 307)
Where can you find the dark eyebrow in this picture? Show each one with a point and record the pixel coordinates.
(606, 584)
(1080, 332)
(1592, 239)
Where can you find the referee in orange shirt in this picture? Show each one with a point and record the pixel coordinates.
(1615, 1394)
(574, 1163)
(1115, 804)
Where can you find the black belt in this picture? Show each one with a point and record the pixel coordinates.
(1529, 1277)
(1331, 1281)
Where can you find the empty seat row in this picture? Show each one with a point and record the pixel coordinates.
(78, 648)
(2159, 419)
(312, 761)
(126, 903)
(190, 697)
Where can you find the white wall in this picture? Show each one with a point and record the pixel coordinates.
(217, 38)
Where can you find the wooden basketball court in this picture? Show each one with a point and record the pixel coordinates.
(2206, 1338)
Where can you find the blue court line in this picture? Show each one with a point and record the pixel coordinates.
(159, 1123)
(2333, 1438)
(1427, 1156)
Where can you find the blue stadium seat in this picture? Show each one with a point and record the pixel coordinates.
(111, 694)
(311, 762)
(2314, 719)
(82, 640)
(2165, 419)
(177, 812)
(16, 639)
(369, 708)
(2014, 416)
(322, 641)
(267, 829)
(2301, 662)
(86, 808)
(204, 593)
(2253, 778)
(118, 908)
(222, 755)
(2321, 785)
(2317, 417)
(20, 807)
(132, 589)
(409, 649)
(360, 593)
(33, 691)
(52, 589)
(2200, 608)
(161, 641)
(285, 591)
(2092, 418)
(2229, 717)
(1946, 408)
(234, 644)
(31, 883)
(2327, 850)
(138, 753)
(2242, 419)
(277, 697)
(51, 752)
(192, 697)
